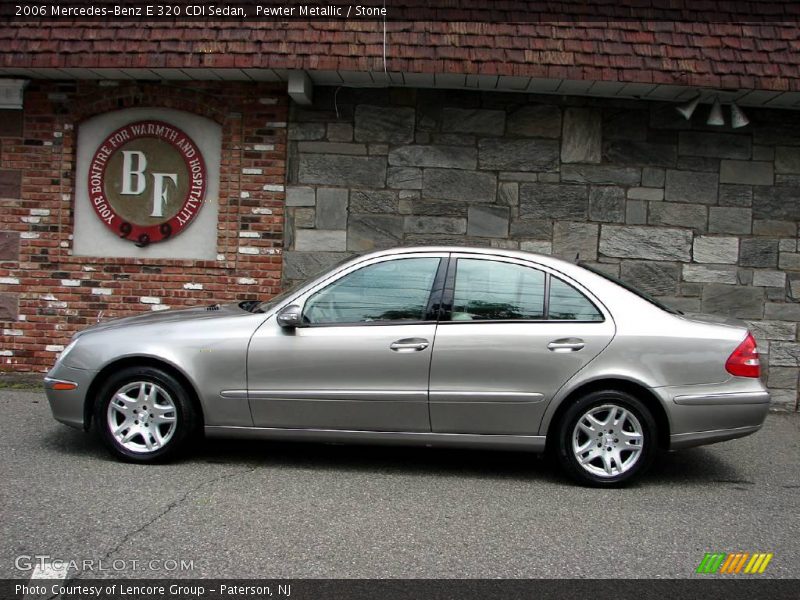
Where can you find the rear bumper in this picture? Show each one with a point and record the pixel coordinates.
(67, 406)
(704, 416)
(701, 438)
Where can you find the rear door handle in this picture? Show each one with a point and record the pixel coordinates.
(566, 345)
(409, 345)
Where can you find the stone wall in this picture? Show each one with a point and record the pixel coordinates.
(47, 292)
(705, 218)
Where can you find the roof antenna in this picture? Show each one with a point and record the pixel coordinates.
(577, 257)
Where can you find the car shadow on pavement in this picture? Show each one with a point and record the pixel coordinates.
(695, 466)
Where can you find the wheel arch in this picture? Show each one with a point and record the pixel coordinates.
(137, 361)
(640, 391)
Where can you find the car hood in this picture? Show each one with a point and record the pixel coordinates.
(714, 320)
(201, 313)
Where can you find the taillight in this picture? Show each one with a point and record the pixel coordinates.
(743, 362)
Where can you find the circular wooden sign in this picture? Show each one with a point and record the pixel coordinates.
(147, 181)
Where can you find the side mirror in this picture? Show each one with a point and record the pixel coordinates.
(290, 316)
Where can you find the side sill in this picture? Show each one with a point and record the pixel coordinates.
(678, 441)
(531, 443)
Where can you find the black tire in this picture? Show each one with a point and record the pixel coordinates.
(570, 439)
(171, 416)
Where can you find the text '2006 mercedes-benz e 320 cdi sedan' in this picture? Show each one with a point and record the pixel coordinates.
(430, 346)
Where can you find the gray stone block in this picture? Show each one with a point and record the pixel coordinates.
(389, 124)
(409, 178)
(340, 132)
(698, 164)
(447, 157)
(729, 220)
(652, 177)
(758, 252)
(787, 159)
(443, 225)
(733, 301)
(682, 215)
(373, 201)
(488, 221)
(690, 186)
(479, 121)
(784, 354)
(607, 204)
(532, 228)
(320, 240)
(9, 307)
(508, 195)
(304, 218)
(439, 208)
(541, 120)
(715, 145)
(453, 139)
(630, 152)
(373, 232)
(780, 203)
(710, 274)
(575, 239)
(773, 330)
(452, 184)
(783, 377)
(331, 208)
(655, 278)
(747, 172)
(789, 261)
(735, 195)
(332, 148)
(783, 400)
(636, 212)
(645, 193)
(517, 155)
(582, 136)
(553, 201)
(603, 175)
(300, 196)
(769, 278)
(763, 153)
(649, 243)
(302, 265)
(782, 311)
(774, 228)
(333, 169)
(794, 285)
(306, 131)
(537, 247)
(715, 249)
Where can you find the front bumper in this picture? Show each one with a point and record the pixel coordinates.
(68, 405)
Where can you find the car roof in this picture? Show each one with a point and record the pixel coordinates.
(544, 259)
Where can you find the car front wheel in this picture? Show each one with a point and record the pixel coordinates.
(144, 414)
(606, 438)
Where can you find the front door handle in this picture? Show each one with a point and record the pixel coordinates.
(566, 345)
(409, 345)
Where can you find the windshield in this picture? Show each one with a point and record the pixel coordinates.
(630, 288)
(262, 307)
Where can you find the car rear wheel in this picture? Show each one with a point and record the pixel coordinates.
(144, 414)
(606, 438)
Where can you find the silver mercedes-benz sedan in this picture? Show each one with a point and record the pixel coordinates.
(430, 346)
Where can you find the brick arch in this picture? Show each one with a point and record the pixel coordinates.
(193, 100)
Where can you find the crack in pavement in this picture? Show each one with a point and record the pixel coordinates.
(172, 505)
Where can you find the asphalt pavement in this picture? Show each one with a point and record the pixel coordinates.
(234, 509)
